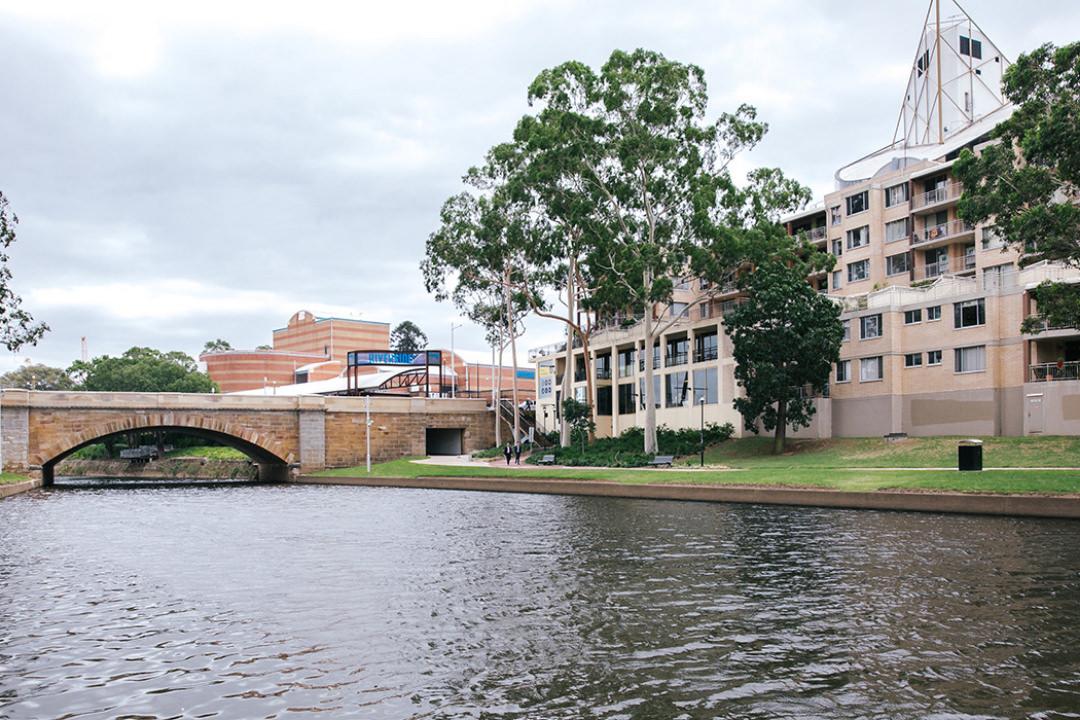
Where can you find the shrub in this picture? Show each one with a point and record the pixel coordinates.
(625, 450)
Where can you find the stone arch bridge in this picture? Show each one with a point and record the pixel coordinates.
(283, 435)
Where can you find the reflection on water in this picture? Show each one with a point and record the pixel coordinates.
(281, 602)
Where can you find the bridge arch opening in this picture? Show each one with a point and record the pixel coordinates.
(272, 462)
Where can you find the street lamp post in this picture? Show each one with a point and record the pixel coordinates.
(702, 403)
(453, 361)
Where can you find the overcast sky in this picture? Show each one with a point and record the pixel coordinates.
(206, 169)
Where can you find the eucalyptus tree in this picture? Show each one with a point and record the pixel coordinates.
(475, 260)
(644, 179)
(17, 327)
(1028, 182)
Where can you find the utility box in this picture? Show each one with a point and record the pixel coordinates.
(970, 455)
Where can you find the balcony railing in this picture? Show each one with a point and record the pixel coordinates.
(705, 355)
(944, 231)
(603, 373)
(673, 359)
(814, 234)
(945, 266)
(626, 370)
(951, 191)
(1049, 372)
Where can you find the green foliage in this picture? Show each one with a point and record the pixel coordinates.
(407, 337)
(17, 327)
(141, 370)
(219, 345)
(624, 451)
(263, 347)
(578, 416)
(1028, 183)
(785, 338)
(625, 162)
(37, 377)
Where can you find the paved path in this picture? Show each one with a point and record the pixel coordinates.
(500, 464)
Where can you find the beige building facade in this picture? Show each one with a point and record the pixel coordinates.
(932, 306)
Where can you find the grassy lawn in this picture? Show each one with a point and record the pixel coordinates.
(994, 481)
(755, 452)
(210, 452)
(6, 478)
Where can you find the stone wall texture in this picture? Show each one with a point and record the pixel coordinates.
(308, 433)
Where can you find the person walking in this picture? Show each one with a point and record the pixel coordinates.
(507, 452)
(517, 453)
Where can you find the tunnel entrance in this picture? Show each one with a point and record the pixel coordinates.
(445, 441)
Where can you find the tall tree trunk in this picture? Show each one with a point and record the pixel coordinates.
(650, 402)
(781, 427)
(564, 427)
(589, 383)
(513, 357)
(498, 395)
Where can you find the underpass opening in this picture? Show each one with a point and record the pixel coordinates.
(445, 441)
(270, 466)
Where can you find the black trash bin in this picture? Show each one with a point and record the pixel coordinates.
(970, 455)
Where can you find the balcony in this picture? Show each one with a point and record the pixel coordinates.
(706, 354)
(942, 234)
(1050, 372)
(814, 235)
(603, 373)
(678, 358)
(946, 266)
(937, 197)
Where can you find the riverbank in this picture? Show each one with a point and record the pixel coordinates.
(11, 484)
(1029, 492)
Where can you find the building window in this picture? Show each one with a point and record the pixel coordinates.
(705, 384)
(626, 398)
(994, 277)
(603, 400)
(679, 309)
(580, 394)
(969, 313)
(837, 279)
(970, 46)
(992, 239)
(728, 306)
(603, 367)
(896, 194)
(626, 363)
(896, 230)
(859, 237)
(677, 351)
(677, 388)
(971, 359)
(847, 330)
(933, 357)
(857, 203)
(835, 216)
(870, 369)
(655, 394)
(913, 360)
(837, 247)
(913, 316)
(843, 371)
(870, 327)
(705, 347)
(858, 271)
(933, 313)
(897, 264)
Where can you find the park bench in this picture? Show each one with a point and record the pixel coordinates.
(662, 460)
(546, 460)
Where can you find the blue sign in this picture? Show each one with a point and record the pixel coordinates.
(378, 357)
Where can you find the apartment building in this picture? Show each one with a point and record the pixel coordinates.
(932, 306)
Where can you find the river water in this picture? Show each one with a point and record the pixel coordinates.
(309, 601)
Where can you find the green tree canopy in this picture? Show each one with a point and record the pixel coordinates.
(142, 369)
(37, 377)
(17, 327)
(407, 337)
(785, 338)
(218, 345)
(626, 159)
(1028, 183)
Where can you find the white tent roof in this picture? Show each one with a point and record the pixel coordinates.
(340, 383)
